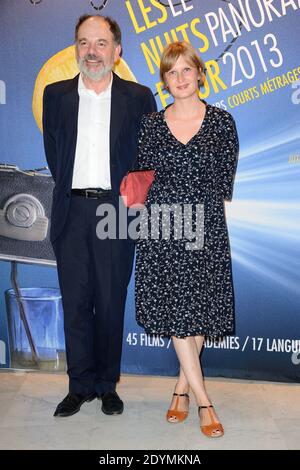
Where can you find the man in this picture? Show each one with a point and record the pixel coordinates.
(91, 124)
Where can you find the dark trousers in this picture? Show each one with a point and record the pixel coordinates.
(93, 277)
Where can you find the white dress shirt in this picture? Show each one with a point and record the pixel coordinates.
(92, 156)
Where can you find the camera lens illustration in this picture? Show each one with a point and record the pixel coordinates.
(23, 218)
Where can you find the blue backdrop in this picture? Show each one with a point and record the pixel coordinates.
(253, 72)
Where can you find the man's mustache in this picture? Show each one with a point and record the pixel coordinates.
(92, 57)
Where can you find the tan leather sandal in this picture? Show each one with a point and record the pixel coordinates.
(175, 413)
(215, 428)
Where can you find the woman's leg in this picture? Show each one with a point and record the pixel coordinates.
(187, 350)
(182, 385)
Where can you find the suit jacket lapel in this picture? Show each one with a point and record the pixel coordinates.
(72, 105)
(118, 111)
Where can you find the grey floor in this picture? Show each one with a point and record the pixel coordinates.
(255, 415)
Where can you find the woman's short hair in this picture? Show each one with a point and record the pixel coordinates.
(173, 51)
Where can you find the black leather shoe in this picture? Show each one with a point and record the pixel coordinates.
(111, 403)
(71, 404)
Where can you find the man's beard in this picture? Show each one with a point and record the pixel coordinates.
(94, 75)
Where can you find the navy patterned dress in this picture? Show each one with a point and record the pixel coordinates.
(179, 291)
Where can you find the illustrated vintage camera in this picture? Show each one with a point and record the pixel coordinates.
(25, 208)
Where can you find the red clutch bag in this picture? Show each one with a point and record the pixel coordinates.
(135, 186)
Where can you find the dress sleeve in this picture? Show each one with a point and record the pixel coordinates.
(227, 156)
(145, 144)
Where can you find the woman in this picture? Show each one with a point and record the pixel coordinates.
(185, 291)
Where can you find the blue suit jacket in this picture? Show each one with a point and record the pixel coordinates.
(129, 101)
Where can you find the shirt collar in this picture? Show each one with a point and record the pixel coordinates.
(82, 90)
